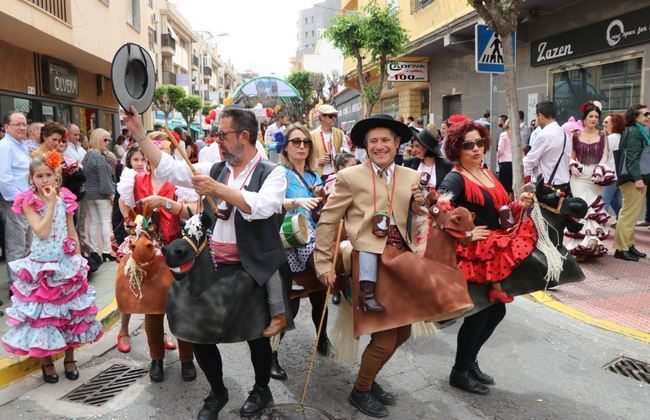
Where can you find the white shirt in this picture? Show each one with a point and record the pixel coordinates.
(327, 138)
(269, 136)
(613, 141)
(545, 153)
(388, 173)
(264, 203)
(431, 170)
(533, 135)
(74, 152)
(14, 167)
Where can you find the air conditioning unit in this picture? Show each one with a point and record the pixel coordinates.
(155, 18)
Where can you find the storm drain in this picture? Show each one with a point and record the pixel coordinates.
(105, 386)
(630, 368)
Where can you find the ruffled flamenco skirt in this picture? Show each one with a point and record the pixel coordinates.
(494, 258)
(589, 241)
(53, 308)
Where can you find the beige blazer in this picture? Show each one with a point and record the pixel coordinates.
(319, 151)
(352, 201)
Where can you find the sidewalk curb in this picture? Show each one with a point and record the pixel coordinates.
(13, 368)
(547, 300)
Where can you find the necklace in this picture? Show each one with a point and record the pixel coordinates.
(474, 176)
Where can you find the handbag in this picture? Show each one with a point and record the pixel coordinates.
(644, 162)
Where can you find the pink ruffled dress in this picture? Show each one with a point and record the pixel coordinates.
(53, 307)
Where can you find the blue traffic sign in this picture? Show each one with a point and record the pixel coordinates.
(489, 50)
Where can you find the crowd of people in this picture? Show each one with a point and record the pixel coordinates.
(376, 178)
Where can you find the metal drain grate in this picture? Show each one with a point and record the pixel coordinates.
(105, 386)
(630, 368)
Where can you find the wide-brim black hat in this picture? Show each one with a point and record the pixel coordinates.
(426, 139)
(360, 129)
(133, 76)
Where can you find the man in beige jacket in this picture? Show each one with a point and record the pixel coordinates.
(374, 199)
(329, 141)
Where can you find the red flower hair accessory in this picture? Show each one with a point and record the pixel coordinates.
(457, 119)
(53, 159)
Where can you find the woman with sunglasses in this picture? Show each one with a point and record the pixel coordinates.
(500, 242)
(427, 159)
(632, 184)
(589, 175)
(297, 156)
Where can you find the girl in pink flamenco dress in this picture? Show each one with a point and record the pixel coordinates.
(53, 307)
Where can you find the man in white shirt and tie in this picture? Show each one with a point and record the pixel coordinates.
(551, 153)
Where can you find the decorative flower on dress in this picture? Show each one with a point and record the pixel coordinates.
(280, 141)
(69, 245)
(53, 159)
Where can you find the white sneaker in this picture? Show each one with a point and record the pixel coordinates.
(295, 287)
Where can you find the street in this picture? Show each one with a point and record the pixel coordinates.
(546, 365)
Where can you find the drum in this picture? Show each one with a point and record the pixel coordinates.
(295, 231)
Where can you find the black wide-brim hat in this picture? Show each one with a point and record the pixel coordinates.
(360, 129)
(133, 76)
(426, 139)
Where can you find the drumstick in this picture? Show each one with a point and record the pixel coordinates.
(322, 316)
(187, 160)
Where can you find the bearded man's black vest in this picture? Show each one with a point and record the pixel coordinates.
(260, 248)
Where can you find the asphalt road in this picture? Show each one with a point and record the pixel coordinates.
(546, 365)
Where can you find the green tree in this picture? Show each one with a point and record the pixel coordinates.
(371, 37)
(303, 82)
(205, 110)
(501, 16)
(166, 97)
(188, 106)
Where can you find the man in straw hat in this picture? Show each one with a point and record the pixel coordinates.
(236, 295)
(329, 141)
(374, 199)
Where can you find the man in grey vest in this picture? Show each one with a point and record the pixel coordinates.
(228, 295)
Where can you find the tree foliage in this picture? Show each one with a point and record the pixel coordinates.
(188, 107)
(166, 97)
(371, 37)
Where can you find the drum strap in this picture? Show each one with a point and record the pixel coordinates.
(302, 179)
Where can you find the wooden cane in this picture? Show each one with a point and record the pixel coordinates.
(322, 317)
(213, 206)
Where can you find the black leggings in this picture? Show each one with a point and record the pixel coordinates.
(317, 300)
(209, 359)
(474, 332)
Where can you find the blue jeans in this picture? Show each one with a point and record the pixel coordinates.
(613, 198)
(368, 266)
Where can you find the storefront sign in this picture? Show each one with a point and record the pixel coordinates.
(619, 32)
(408, 72)
(59, 78)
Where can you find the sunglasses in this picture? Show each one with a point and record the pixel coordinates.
(297, 143)
(469, 145)
(332, 116)
(647, 114)
(221, 135)
(107, 140)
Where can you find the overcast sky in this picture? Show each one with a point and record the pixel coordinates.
(262, 34)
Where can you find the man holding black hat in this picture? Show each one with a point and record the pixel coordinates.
(374, 199)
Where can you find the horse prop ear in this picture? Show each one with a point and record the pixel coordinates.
(189, 211)
(431, 198)
(205, 220)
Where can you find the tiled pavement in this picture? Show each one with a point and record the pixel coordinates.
(614, 290)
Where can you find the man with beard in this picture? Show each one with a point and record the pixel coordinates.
(246, 252)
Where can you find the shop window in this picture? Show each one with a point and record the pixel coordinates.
(56, 113)
(451, 104)
(133, 13)
(151, 37)
(390, 106)
(616, 85)
(26, 106)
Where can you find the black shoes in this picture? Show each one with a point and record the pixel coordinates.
(636, 252)
(479, 375)
(466, 382)
(336, 298)
(323, 346)
(212, 406)
(382, 395)
(72, 375)
(188, 371)
(367, 403)
(625, 255)
(156, 371)
(276, 370)
(49, 378)
(259, 398)
(108, 257)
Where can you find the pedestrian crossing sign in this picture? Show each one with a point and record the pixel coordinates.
(489, 50)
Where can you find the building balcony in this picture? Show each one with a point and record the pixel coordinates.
(207, 72)
(168, 78)
(195, 62)
(60, 9)
(167, 44)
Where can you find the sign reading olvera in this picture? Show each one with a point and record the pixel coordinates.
(59, 78)
(610, 34)
(404, 71)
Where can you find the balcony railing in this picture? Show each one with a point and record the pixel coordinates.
(168, 78)
(207, 71)
(60, 9)
(166, 40)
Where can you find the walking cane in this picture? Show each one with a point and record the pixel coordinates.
(213, 206)
(322, 317)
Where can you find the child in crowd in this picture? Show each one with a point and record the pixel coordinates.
(53, 308)
(341, 161)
